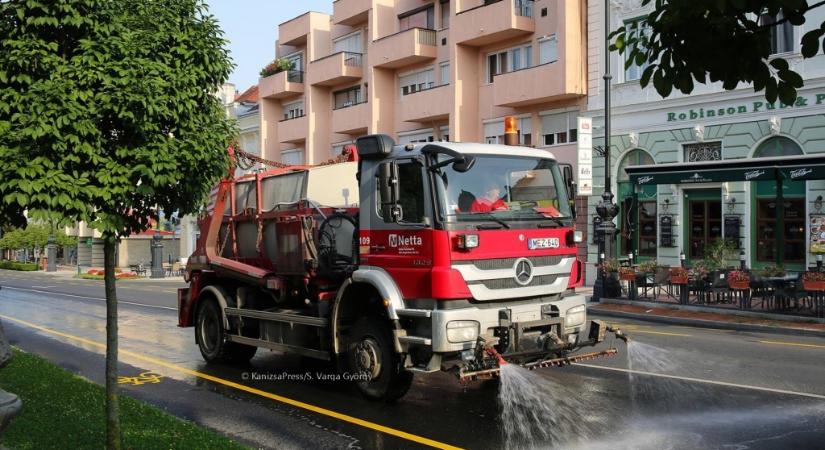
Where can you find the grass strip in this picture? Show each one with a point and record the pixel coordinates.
(63, 410)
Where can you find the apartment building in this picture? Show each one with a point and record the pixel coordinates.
(663, 219)
(426, 71)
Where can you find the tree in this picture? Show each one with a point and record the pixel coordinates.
(35, 236)
(718, 40)
(106, 113)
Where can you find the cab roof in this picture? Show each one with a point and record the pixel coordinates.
(480, 149)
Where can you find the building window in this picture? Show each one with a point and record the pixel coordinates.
(349, 43)
(548, 50)
(418, 18)
(445, 14)
(636, 28)
(338, 149)
(416, 82)
(560, 128)
(509, 60)
(294, 110)
(294, 157)
(794, 232)
(348, 97)
(781, 35)
(444, 68)
(297, 60)
(416, 137)
(703, 151)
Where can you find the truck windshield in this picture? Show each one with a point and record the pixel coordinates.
(503, 189)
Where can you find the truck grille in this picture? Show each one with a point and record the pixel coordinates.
(506, 263)
(510, 283)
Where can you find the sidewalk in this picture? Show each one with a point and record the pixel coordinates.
(694, 316)
(68, 272)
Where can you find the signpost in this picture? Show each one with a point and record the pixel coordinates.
(585, 158)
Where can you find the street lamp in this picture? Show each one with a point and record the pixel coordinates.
(819, 262)
(157, 252)
(742, 260)
(606, 209)
(682, 259)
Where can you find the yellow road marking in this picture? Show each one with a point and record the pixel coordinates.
(251, 390)
(144, 378)
(794, 344)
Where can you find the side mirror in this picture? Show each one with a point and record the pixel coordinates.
(464, 164)
(570, 185)
(389, 191)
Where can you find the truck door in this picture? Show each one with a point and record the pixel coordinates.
(403, 248)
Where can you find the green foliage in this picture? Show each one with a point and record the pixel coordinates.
(718, 41)
(107, 109)
(718, 253)
(34, 236)
(14, 265)
(276, 66)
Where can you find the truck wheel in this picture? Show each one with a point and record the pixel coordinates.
(211, 337)
(372, 361)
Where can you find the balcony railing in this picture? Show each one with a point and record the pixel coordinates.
(427, 36)
(295, 76)
(524, 8)
(346, 105)
(351, 59)
(292, 118)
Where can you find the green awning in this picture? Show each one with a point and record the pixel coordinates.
(794, 168)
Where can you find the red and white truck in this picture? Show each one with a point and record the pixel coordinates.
(406, 258)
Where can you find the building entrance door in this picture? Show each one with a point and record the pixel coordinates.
(704, 220)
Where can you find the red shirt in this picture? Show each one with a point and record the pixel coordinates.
(484, 205)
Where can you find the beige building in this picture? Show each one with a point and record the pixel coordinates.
(426, 71)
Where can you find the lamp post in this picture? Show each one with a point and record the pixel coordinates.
(742, 260)
(606, 209)
(157, 253)
(51, 254)
(819, 262)
(682, 259)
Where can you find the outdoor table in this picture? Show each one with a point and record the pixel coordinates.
(780, 285)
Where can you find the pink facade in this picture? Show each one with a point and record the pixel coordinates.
(423, 70)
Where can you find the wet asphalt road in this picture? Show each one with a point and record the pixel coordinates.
(730, 390)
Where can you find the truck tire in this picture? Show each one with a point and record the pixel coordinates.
(211, 337)
(371, 354)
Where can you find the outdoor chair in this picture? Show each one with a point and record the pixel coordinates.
(719, 291)
(661, 283)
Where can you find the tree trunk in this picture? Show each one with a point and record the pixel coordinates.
(112, 415)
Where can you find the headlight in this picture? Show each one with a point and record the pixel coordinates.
(575, 316)
(462, 330)
(467, 241)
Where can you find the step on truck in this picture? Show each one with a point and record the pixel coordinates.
(403, 259)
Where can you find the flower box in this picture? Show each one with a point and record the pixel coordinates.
(811, 285)
(627, 274)
(678, 275)
(738, 280)
(739, 285)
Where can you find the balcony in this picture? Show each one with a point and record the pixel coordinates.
(404, 48)
(282, 85)
(351, 119)
(294, 32)
(544, 83)
(294, 130)
(493, 22)
(338, 68)
(350, 12)
(431, 104)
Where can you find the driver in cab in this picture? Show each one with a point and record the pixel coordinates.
(489, 201)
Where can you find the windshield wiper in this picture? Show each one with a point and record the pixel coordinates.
(556, 223)
(493, 218)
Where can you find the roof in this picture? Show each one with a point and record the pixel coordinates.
(249, 96)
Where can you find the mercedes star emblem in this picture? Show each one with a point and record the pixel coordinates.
(524, 271)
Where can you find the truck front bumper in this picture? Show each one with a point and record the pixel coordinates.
(568, 313)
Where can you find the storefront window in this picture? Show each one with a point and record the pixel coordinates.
(639, 220)
(794, 230)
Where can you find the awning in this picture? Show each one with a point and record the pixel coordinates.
(793, 168)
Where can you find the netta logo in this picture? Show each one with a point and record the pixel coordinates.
(405, 241)
(754, 174)
(800, 173)
(643, 180)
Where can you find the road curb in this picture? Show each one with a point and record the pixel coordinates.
(592, 309)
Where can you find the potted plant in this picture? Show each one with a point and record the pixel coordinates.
(649, 267)
(772, 271)
(739, 280)
(813, 281)
(678, 275)
(277, 66)
(612, 289)
(627, 274)
(719, 252)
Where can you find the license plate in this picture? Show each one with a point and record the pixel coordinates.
(539, 243)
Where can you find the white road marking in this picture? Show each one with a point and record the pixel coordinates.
(90, 298)
(698, 380)
(42, 287)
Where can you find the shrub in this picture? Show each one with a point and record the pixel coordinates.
(14, 265)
